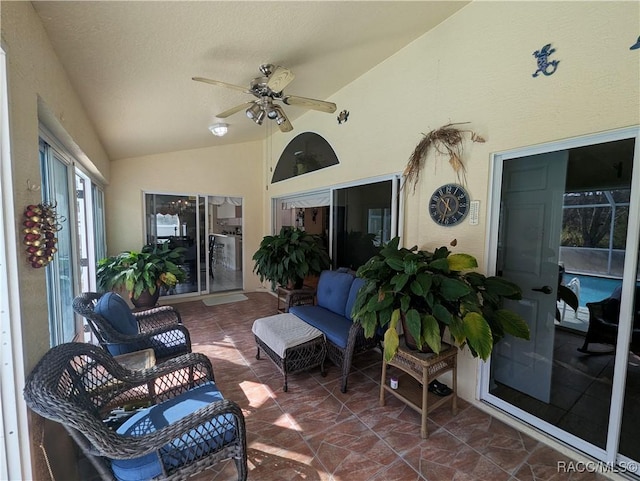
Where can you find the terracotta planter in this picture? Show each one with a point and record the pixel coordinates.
(146, 299)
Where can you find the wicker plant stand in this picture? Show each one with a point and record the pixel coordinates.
(290, 343)
(418, 370)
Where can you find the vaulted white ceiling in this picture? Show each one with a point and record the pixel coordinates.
(131, 62)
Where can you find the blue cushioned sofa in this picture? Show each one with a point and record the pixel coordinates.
(331, 314)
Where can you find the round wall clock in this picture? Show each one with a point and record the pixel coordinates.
(449, 204)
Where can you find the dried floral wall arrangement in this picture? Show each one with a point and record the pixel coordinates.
(447, 140)
(40, 226)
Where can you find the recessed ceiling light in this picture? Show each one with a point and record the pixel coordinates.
(219, 129)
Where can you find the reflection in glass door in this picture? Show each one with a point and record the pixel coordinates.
(566, 219)
(173, 219)
(209, 228)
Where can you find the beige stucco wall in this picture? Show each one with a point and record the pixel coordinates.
(231, 170)
(39, 90)
(477, 67)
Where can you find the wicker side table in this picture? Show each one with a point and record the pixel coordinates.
(420, 369)
(294, 297)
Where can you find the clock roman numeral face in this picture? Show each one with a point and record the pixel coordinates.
(449, 204)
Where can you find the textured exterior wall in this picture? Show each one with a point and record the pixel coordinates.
(231, 170)
(477, 67)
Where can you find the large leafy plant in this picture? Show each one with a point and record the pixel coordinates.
(148, 269)
(290, 256)
(432, 291)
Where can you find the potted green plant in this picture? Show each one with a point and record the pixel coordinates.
(142, 273)
(287, 258)
(430, 292)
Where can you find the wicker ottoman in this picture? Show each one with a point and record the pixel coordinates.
(292, 344)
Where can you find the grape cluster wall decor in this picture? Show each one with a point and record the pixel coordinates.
(40, 226)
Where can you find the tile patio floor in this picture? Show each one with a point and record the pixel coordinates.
(315, 433)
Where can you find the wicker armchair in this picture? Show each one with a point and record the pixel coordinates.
(187, 426)
(158, 328)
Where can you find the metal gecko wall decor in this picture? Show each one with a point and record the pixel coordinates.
(343, 117)
(545, 66)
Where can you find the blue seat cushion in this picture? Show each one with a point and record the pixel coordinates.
(117, 312)
(333, 290)
(335, 326)
(197, 443)
(353, 293)
(164, 345)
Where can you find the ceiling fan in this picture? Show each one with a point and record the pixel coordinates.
(268, 89)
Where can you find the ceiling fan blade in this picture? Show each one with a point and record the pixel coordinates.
(285, 125)
(234, 110)
(279, 79)
(321, 105)
(222, 84)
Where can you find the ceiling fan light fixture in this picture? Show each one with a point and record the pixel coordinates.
(253, 112)
(219, 129)
(258, 120)
(279, 117)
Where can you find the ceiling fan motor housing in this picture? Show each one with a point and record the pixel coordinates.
(266, 89)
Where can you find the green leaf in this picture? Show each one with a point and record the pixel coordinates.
(453, 289)
(478, 334)
(512, 323)
(398, 281)
(425, 280)
(440, 265)
(395, 263)
(412, 321)
(431, 333)
(502, 287)
(416, 288)
(441, 313)
(391, 343)
(456, 329)
(462, 262)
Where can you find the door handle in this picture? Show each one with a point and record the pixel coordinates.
(543, 289)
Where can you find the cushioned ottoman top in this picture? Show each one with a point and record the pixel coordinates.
(284, 331)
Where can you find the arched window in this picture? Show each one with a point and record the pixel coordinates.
(305, 153)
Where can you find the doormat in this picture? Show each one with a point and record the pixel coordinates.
(215, 301)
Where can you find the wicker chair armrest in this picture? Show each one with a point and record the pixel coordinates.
(135, 388)
(192, 360)
(117, 446)
(156, 317)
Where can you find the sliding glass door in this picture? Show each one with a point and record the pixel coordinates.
(353, 220)
(567, 219)
(209, 228)
(362, 222)
(79, 204)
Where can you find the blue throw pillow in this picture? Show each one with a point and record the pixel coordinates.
(116, 310)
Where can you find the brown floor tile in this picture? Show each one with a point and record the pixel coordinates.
(314, 432)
